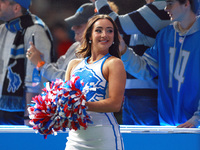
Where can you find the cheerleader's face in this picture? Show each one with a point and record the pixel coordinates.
(102, 34)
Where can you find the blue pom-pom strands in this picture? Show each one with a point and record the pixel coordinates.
(60, 106)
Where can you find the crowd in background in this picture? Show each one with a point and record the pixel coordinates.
(54, 12)
(51, 11)
(137, 24)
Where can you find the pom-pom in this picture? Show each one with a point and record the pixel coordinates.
(60, 106)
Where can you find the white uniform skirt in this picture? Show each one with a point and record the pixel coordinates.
(96, 137)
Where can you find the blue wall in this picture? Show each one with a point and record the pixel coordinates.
(21, 139)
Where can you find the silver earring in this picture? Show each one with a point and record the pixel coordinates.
(113, 42)
(90, 41)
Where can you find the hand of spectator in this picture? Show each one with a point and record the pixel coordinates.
(33, 54)
(122, 46)
(186, 125)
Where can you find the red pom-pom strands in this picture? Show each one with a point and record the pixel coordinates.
(60, 106)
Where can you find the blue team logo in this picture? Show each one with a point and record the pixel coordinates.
(92, 84)
(14, 79)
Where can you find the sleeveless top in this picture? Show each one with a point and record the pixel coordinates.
(95, 84)
(104, 132)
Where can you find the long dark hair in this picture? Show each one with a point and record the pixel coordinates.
(85, 49)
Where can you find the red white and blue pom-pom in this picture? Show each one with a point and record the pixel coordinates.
(60, 106)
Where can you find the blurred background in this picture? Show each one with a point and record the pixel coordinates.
(54, 10)
(53, 13)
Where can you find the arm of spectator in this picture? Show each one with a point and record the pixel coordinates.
(186, 125)
(147, 20)
(122, 46)
(192, 122)
(51, 71)
(42, 43)
(142, 67)
(34, 55)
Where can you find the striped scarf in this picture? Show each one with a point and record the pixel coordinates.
(14, 80)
